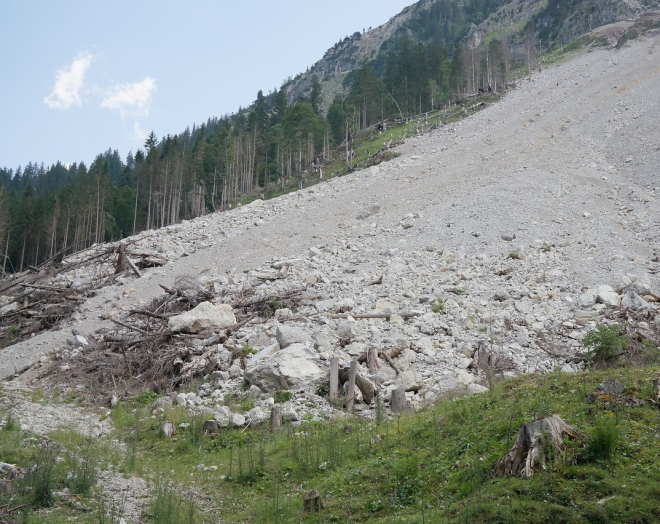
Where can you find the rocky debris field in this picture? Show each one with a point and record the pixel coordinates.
(490, 246)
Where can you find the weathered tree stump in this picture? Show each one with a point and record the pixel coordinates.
(350, 397)
(363, 384)
(334, 378)
(398, 401)
(210, 427)
(167, 428)
(527, 450)
(372, 359)
(276, 419)
(121, 259)
(313, 502)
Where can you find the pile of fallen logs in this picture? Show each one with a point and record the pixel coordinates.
(43, 297)
(143, 353)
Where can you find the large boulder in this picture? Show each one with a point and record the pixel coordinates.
(632, 300)
(293, 367)
(410, 380)
(204, 316)
(287, 335)
(606, 295)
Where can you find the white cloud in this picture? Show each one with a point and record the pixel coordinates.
(68, 83)
(130, 99)
(139, 134)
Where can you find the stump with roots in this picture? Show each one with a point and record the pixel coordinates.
(313, 502)
(527, 450)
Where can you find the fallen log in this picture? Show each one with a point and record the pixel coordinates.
(409, 314)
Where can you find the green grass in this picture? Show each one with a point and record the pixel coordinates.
(432, 466)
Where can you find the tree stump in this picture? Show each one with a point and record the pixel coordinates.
(527, 450)
(398, 401)
(372, 359)
(121, 259)
(210, 427)
(167, 428)
(313, 502)
(350, 396)
(276, 419)
(363, 384)
(334, 378)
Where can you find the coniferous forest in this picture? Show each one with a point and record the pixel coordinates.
(48, 211)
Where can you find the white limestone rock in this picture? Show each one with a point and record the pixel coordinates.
(204, 316)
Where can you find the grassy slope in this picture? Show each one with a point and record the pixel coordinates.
(433, 466)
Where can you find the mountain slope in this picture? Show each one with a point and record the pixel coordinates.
(470, 23)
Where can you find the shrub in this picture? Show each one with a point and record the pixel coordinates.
(282, 396)
(606, 343)
(605, 440)
(82, 476)
(10, 422)
(42, 479)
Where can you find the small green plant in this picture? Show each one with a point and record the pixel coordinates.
(650, 353)
(439, 306)
(247, 350)
(13, 330)
(82, 475)
(515, 256)
(282, 396)
(606, 438)
(42, 480)
(146, 398)
(10, 422)
(168, 507)
(606, 343)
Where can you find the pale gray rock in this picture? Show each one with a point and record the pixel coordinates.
(237, 420)
(290, 368)
(223, 416)
(606, 295)
(287, 335)
(588, 298)
(14, 306)
(410, 380)
(256, 416)
(161, 403)
(583, 317)
(181, 399)
(368, 211)
(204, 316)
(632, 300)
(289, 414)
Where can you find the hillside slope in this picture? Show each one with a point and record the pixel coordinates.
(569, 158)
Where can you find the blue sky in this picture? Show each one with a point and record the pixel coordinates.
(80, 77)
